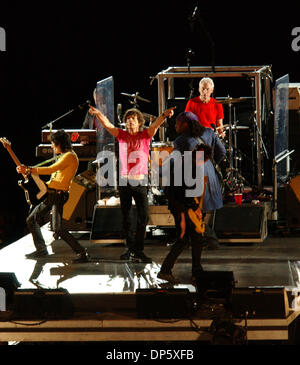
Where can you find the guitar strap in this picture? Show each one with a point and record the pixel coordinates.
(47, 161)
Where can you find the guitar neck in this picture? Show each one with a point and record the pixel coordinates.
(13, 156)
(6, 144)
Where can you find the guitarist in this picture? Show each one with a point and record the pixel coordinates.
(190, 134)
(62, 172)
(188, 217)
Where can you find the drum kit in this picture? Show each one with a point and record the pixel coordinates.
(232, 177)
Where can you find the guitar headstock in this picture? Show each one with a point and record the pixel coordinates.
(6, 143)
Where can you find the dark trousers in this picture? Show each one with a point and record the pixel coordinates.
(210, 237)
(135, 243)
(54, 201)
(191, 237)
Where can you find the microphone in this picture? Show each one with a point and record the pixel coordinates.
(81, 106)
(194, 12)
(190, 53)
(192, 19)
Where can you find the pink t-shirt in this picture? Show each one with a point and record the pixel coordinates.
(134, 152)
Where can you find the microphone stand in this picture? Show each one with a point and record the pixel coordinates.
(212, 45)
(188, 56)
(50, 124)
(196, 17)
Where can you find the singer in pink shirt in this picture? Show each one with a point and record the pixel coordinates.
(134, 145)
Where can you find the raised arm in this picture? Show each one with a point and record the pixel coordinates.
(152, 129)
(104, 121)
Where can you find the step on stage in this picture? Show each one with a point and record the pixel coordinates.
(107, 299)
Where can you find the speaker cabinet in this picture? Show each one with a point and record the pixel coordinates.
(260, 302)
(42, 304)
(215, 284)
(78, 210)
(293, 202)
(107, 223)
(163, 303)
(241, 223)
(294, 136)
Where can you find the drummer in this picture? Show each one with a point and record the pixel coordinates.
(208, 110)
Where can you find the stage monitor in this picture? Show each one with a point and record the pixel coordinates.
(163, 303)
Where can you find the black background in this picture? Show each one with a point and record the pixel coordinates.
(57, 51)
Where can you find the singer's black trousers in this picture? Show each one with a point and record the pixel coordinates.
(134, 243)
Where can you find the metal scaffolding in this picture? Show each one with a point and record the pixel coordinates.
(260, 75)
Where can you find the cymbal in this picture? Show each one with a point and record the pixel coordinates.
(230, 100)
(136, 96)
(149, 117)
(226, 126)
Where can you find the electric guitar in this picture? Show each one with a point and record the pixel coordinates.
(34, 188)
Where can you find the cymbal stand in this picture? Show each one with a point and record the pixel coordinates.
(134, 101)
(230, 149)
(234, 180)
(260, 137)
(235, 149)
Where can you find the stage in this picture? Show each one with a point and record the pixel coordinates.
(103, 291)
